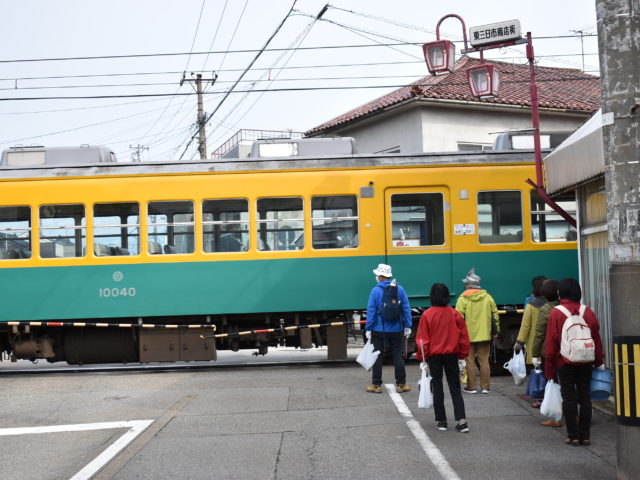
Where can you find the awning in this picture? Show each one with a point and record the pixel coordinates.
(579, 158)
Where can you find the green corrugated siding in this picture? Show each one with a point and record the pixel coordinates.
(308, 284)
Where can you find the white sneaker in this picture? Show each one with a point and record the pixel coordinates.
(486, 391)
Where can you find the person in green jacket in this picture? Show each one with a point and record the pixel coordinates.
(530, 318)
(550, 294)
(481, 316)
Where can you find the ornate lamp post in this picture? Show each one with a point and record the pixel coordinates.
(484, 79)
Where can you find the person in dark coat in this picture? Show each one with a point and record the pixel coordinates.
(443, 342)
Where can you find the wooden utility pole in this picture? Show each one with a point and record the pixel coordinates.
(201, 119)
(619, 44)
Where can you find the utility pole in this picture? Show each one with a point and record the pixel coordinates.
(136, 150)
(619, 45)
(201, 119)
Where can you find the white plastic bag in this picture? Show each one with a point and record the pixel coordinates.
(552, 403)
(367, 356)
(425, 399)
(517, 367)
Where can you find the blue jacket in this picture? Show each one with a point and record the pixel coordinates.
(374, 321)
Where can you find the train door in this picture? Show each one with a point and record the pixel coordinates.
(418, 239)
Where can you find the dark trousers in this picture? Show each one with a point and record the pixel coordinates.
(393, 341)
(448, 363)
(575, 383)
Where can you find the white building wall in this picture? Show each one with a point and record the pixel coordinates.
(386, 132)
(444, 127)
(418, 127)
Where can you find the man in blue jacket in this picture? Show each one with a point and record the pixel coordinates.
(388, 322)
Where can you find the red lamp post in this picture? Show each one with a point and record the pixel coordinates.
(484, 79)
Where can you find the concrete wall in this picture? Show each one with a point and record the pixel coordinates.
(439, 128)
(384, 132)
(444, 128)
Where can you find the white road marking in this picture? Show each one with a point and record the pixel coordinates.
(433, 453)
(136, 427)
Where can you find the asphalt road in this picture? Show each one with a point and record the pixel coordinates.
(302, 422)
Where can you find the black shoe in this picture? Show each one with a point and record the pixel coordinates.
(442, 426)
(462, 428)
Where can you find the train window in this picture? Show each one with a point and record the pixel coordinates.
(500, 217)
(226, 225)
(62, 231)
(546, 224)
(280, 223)
(170, 227)
(116, 229)
(417, 219)
(334, 222)
(15, 232)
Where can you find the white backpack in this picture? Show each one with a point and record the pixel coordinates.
(576, 344)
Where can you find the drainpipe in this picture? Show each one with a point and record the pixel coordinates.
(539, 183)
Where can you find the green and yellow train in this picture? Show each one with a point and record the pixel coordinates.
(260, 243)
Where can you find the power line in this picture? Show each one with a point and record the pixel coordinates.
(226, 93)
(240, 51)
(244, 72)
(289, 67)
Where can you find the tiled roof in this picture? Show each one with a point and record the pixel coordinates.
(558, 88)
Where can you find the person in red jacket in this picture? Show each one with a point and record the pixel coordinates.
(575, 378)
(443, 342)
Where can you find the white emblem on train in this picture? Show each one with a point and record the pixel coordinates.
(118, 276)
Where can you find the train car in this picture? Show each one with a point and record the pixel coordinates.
(268, 244)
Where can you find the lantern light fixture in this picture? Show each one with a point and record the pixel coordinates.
(484, 80)
(440, 56)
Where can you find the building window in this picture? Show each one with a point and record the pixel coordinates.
(116, 229)
(62, 231)
(225, 225)
(15, 232)
(546, 224)
(170, 227)
(334, 222)
(280, 224)
(500, 217)
(417, 219)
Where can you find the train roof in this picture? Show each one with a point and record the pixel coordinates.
(246, 165)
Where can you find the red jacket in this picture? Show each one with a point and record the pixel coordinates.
(553, 359)
(442, 331)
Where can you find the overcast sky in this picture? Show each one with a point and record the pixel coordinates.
(334, 79)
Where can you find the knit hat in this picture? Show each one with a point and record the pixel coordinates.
(472, 280)
(383, 271)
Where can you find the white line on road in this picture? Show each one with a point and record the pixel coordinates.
(433, 453)
(136, 427)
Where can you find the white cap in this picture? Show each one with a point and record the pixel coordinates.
(472, 279)
(383, 271)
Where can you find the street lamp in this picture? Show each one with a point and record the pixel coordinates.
(441, 54)
(484, 79)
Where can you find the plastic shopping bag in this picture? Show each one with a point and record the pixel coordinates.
(537, 382)
(517, 367)
(552, 404)
(425, 399)
(367, 356)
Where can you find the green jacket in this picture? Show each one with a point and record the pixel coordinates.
(528, 326)
(537, 348)
(480, 314)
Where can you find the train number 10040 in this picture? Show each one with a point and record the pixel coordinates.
(117, 292)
